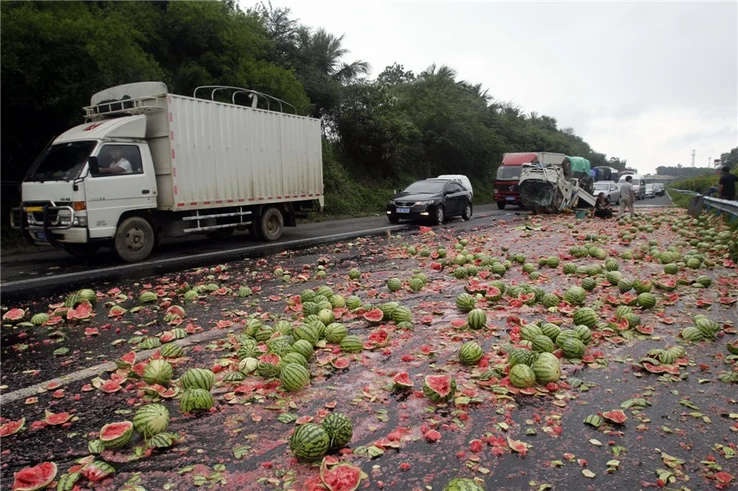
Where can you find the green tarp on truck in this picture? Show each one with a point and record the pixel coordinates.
(579, 164)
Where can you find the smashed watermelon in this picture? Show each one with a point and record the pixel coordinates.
(33, 478)
(341, 477)
(12, 427)
(615, 416)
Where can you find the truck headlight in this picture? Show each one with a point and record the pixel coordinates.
(80, 221)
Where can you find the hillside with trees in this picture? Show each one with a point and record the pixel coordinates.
(379, 132)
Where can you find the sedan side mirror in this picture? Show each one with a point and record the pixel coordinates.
(94, 165)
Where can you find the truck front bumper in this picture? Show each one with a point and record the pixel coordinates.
(50, 224)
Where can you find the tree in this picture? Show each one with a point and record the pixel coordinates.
(730, 158)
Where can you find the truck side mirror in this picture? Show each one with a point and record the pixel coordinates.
(94, 166)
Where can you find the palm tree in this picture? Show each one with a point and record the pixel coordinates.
(323, 51)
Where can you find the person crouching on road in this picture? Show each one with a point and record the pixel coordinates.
(602, 207)
(627, 197)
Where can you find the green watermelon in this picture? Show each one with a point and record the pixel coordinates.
(197, 378)
(439, 388)
(116, 435)
(339, 429)
(547, 368)
(294, 377)
(309, 442)
(470, 353)
(196, 399)
(151, 419)
(522, 376)
(158, 372)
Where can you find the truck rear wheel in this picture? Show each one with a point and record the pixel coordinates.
(134, 239)
(271, 225)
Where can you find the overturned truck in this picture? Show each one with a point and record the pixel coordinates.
(553, 187)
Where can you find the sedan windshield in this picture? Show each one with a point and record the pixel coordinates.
(63, 161)
(425, 187)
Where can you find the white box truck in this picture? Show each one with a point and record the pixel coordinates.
(150, 164)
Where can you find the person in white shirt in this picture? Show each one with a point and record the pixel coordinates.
(119, 165)
(627, 197)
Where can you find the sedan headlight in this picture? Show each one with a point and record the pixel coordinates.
(423, 203)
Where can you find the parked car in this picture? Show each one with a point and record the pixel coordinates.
(461, 179)
(431, 199)
(659, 189)
(649, 191)
(610, 189)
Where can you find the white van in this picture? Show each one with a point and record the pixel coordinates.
(639, 184)
(461, 179)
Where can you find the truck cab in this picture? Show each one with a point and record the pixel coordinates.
(77, 191)
(507, 184)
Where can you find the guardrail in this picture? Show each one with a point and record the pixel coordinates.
(710, 204)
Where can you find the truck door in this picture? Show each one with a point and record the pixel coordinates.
(123, 184)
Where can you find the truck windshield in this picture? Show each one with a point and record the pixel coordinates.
(509, 172)
(63, 161)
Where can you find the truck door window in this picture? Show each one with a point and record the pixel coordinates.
(119, 160)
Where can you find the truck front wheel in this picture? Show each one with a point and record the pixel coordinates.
(271, 225)
(134, 239)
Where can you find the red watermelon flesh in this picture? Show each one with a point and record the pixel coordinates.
(166, 337)
(343, 477)
(374, 315)
(342, 362)
(94, 473)
(615, 416)
(57, 419)
(441, 384)
(13, 315)
(12, 427)
(129, 358)
(33, 478)
(402, 379)
(271, 359)
(110, 386)
(176, 310)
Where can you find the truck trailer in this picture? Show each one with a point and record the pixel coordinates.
(148, 164)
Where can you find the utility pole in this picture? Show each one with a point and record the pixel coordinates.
(709, 159)
(693, 152)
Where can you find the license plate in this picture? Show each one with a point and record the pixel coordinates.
(403, 210)
(511, 198)
(41, 235)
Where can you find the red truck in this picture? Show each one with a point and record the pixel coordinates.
(507, 189)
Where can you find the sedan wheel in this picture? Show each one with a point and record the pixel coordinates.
(440, 215)
(467, 212)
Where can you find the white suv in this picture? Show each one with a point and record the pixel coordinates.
(461, 179)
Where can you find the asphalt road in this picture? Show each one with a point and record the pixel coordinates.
(26, 273)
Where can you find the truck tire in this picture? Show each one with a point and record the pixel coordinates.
(134, 239)
(271, 225)
(501, 205)
(82, 251)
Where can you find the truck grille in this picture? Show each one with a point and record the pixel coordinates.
(37, 217)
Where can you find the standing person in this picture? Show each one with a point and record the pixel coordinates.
(602, 207)
(727, 184)
(627, 197)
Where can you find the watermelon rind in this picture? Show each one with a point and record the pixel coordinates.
(196, 399)
(158, 372)
(123, 432)
(197, 378)
(294, 377)
(432, 384)
(463, 484)
(34, 478)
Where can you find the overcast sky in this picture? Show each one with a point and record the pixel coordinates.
(646, 82)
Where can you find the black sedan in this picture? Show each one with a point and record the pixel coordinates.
(432, 200)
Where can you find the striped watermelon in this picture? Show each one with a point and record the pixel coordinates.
(550, 300)
(543, 344)
(530, 331)
(196, 399)
(162, 440)
(692, 333)
(566, 334)
(171, 350)
(305, 348)
(570, 268)
(116, 435)
(465, 302)
(622, 311)
(520, 356)
(394, 284)
(151, 419)
(249, 349)
(309, 442)
(550, 330)
(294, 357)
(147, 297)
(646, 300)
(264, 333)
(625, 285)
(268, 366)
(584, 333)
(575, 295)
(439, 388)
(585, 316)
(335, 332)
(573, 348)
(197, 378)
(547, 368)
(158, 372)
(589, 284)
(307, 333)
(522, 376)
(351, 344)
(470, 353)
(294, 377)
(150, 342)
(279, 346)
(477, 319)
(402, 314)
(339, 429)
